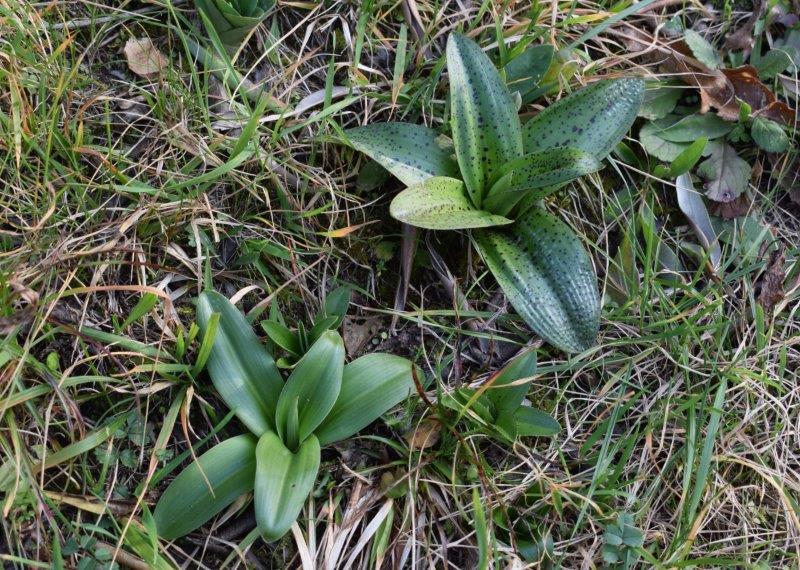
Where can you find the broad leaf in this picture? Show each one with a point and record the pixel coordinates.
(769, 135)
(337, 303)
(524, 72)
(503, 392)
(548, 278)
(726, 173)
(189, 502)
(313, 387)
(282, 336)
(692, 127)
(441, 203)
(241, 369)
(371, 386)
(412, 153)
(533, 422)
(283, 481)
(703, 51)
(536, 175)
(659, 102)
(486, 129)
(594, 119)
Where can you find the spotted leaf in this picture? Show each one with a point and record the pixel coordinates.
(441, 203)
(537, 175)
(547, 276)
(593, 119)
(412, 153)
(486, 129)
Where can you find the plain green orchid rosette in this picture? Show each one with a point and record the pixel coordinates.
(322, 401)
(233, 20)
(499, 174)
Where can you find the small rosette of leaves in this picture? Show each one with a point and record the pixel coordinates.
(233, 20)
(502, 169)
(323, 401)
(498, 404)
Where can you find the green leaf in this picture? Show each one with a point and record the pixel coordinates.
(189, 501)
(703, 51)
(231, 24)
(727, 174)
(314, 384)
(486, 129)
(691, 204)
(769, 135)
(371, 386)
(594, 119)
(536, 423)
(524, 72)
(654, 145)
(689, 129)
(412, 153)
(686, 160)
(241, 369)
(282, 336)
(283, 481)
(543, 171)
(441, 203)
(548, 278)
(776, 61)
(504, 394)
(660, 102)
(337, 302)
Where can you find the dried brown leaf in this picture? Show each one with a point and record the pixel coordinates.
(771, 285)
(143, 57)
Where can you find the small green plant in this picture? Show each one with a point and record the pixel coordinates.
(621, 543)
(498, 404)
(296, 344)
(234, 19)
(322, 401)
(501, 171)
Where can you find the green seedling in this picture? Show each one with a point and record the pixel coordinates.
(233, 20)
(494, 184)
(322, 401)
(297, 343)
(498, 404)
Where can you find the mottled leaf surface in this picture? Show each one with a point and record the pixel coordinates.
(413, 153)
(486, 129)
(240, 367)
(594, 119)
(441, 203)
(283, 481)
(548, 278)
(208, 485)
(543, 171)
